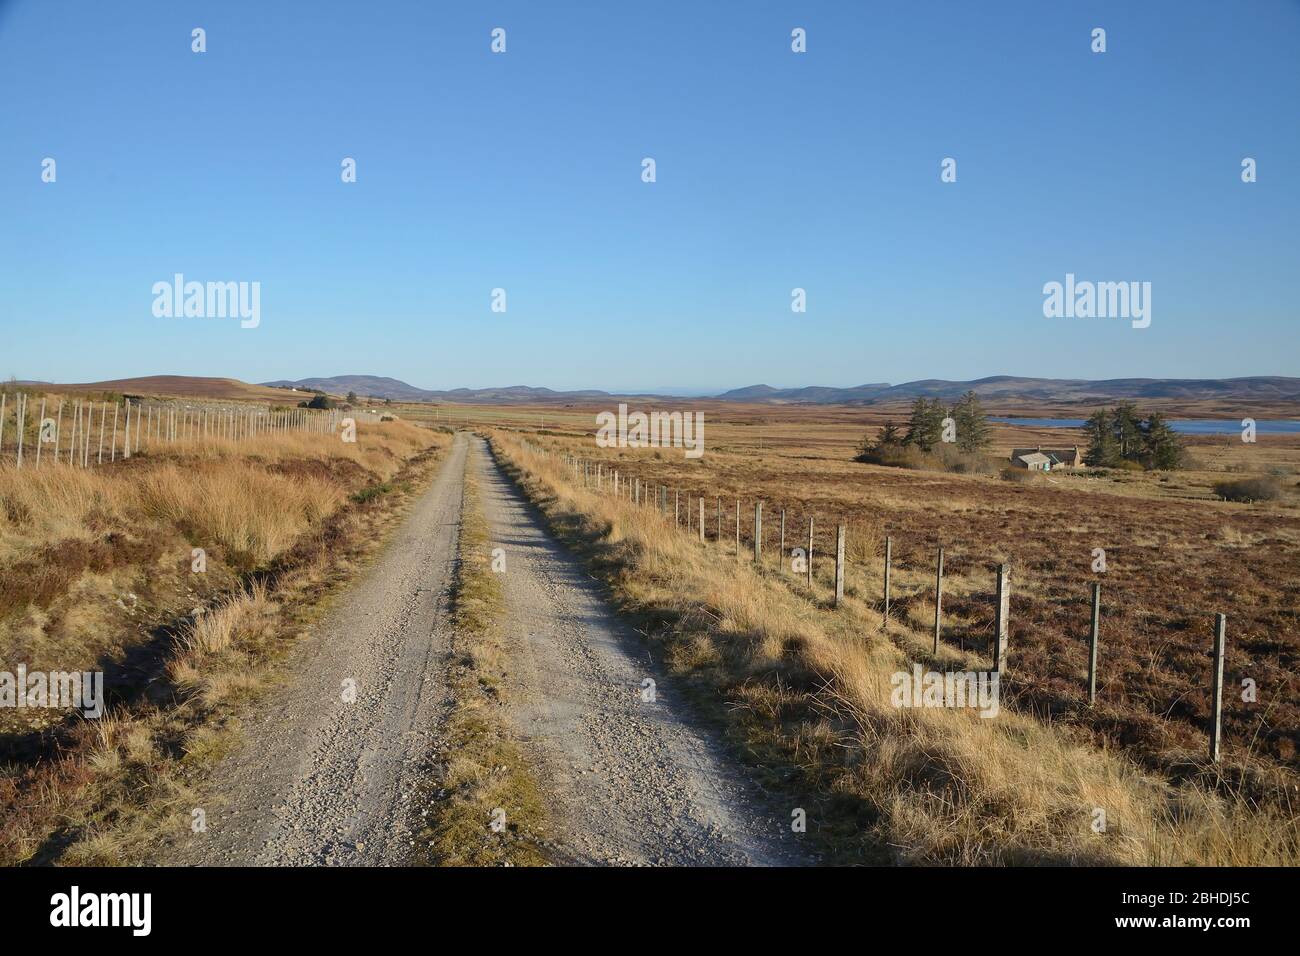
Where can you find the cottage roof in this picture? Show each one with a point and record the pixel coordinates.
(1061, 455)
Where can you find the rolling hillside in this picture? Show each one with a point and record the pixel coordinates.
(174, 386)
(1258, 388)
(378, 386)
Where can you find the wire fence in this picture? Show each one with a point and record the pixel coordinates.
(701, 517)
(36, 431)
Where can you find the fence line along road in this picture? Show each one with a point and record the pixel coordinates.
(83, 432)
(582, 470)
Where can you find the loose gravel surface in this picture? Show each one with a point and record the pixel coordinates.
(633, 781)
(323, 781)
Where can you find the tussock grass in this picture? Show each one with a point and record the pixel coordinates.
(480, 768)
(254, 514)
(216, 652)
(806, 692)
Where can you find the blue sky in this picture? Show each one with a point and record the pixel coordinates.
(523, 171)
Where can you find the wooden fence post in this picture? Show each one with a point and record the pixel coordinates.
(58, 430)
(809, 556)
(839, 564)
(738, 528)
(1093, 633)
(889, 555)
(677, 508)
(20, 419)
(701, 519)
(1002, 626)
(40, 427)
(938, 599)
(780, 555)
(758, 532)
(1216, 713)
(719, 522)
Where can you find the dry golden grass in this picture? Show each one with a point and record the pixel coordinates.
(252, 513)
(96, 566)
(810, 687)
(213, 657)
(86, 554)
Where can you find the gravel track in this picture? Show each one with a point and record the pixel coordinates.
(324, 782)
(632, 782)
(320, 781)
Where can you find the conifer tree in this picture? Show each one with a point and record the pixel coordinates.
(1162, 448)
(925, 425)
(972, 423)
(1103, 451)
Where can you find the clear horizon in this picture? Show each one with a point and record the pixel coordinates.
(775, 170)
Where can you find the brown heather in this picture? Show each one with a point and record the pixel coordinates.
(805, 690)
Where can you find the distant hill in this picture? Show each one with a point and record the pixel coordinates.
(381, 387)
(818, 394)
(174, 386)
(364, 385)
(1003, 387)
(754, 393)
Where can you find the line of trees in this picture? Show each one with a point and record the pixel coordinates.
(1120, 437)
(930, 425)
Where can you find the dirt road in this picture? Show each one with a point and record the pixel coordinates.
(635, 781)
(325, 781)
